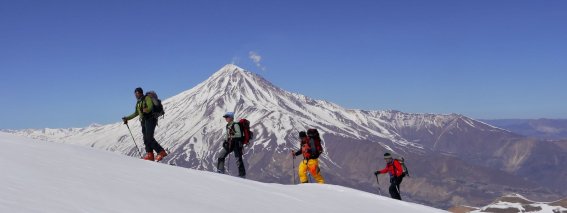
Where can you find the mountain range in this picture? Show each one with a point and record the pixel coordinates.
(515, 203)
(545, 129)
(453, 159)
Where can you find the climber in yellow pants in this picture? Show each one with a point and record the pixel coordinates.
(310, 162)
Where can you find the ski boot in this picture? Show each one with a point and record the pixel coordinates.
(149, 156)
(161, 155)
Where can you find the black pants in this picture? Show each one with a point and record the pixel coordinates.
(395, 187)
(236, 146)
(148, 129)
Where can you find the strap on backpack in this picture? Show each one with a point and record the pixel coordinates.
(234, 129)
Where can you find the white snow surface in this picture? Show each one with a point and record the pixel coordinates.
(39, 176)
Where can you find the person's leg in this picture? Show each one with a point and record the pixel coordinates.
(315, 171)
(302, 172)
(151, 124)
(147, 145)
(238, 155)
(394, 193)
(398, 184)
(222, 156)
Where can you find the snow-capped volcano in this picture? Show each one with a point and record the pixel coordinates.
(441, 150)
(269, 108)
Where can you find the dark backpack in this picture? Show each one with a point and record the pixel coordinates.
(247, 135)
(157, 110)
(314, 148)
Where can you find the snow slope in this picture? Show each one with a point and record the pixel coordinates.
(40, 176)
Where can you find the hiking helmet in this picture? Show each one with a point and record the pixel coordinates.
(228, 115)
(140, 90)
(302, 134)
(387, 155)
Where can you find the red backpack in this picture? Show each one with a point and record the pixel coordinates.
(313, 149)
(245, 130)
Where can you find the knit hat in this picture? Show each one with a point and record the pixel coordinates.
(140, 90)
(302, 134)
(387, 155)
(228, 115)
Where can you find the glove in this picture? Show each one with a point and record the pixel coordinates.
(376, 173)
(125, 120)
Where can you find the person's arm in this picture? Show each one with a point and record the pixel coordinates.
(385, 170)
(297, 153)
(133, 115)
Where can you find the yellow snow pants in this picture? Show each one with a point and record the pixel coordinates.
(311, 165)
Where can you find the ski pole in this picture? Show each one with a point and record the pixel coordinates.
(378, 182)
(308, 172)
(228, 164)
(228, 156)
(293, 171)
(137, 149)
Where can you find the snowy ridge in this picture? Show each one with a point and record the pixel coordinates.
(39, 177)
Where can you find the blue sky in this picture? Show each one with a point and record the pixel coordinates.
(73, 63)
